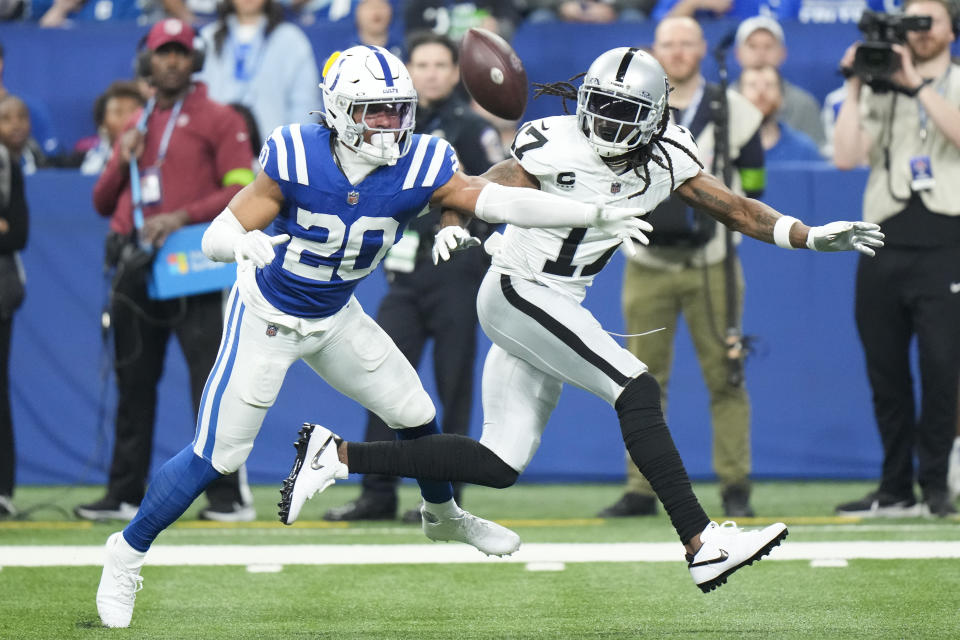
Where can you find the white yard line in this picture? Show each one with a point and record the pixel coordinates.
(320, 554)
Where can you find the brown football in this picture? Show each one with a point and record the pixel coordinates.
(493, 73)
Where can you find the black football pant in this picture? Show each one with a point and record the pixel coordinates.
(142, 328)
(438, 302)
(902, 293)
(7, 457)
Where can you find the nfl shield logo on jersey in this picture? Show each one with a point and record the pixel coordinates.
(353, 197)
(271, 330)
(615, 187)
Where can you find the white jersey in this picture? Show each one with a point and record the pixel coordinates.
(555, 152)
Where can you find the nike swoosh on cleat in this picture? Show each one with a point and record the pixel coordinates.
(315, 463)
(722, 558)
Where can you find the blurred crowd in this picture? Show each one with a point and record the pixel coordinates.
(255, 56)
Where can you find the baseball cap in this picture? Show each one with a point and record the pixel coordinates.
(170, 30)
(748, 26)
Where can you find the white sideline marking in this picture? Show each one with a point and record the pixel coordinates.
(264, 568)
(829, 562)
(545, 566)
(326, 554)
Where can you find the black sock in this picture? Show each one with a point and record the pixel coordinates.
(651, 448)
(438, 457)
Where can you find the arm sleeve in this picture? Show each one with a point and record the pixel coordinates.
(532, 208)
(221, 237)
(234, 161)
(16, 214)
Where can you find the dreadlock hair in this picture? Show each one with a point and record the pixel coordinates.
(638, 159)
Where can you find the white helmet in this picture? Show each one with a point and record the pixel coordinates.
(621, 101)
(367, 88)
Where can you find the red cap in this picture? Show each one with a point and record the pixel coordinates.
(170, 30)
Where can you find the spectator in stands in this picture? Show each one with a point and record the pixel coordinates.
(763, 86)
(15, 135)
(256, 59)
(453, 19)
(373, 18)
(591, 11)
(682, 272)
(760, 43)
(13, 238)
(112, 112)
(427, 301)
(62, 13)
(40, 119)
(709, 9)
(910, 137)
(189, 11)
(193, 156)
(308, 12)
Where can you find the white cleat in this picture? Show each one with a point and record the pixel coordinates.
(953, 472)
(726, 548)
(119, 584)
(317, 467)
(489, 537)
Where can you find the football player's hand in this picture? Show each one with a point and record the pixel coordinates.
(624, 223)
(450, 239)
(846, 236)
(257, 247)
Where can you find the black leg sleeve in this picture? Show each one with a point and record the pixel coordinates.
(439, 457)
(652, 449)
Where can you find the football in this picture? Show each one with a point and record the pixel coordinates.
(493, 74)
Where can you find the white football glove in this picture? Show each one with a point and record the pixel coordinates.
(256, 247)
(624, 223)
(450, 239)
(846, 236)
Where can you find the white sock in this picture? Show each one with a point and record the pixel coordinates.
(448, 509)
(127, 554)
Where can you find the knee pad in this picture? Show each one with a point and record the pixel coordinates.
(416, 410)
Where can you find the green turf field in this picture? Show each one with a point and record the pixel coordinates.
(868, 598)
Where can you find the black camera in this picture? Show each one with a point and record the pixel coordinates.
(875, 60)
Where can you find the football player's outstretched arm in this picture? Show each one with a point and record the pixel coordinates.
(235, 234)
(531, 208)
(757, 220)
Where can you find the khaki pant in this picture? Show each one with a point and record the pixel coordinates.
(654, 298)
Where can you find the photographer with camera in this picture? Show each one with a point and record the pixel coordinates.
(192, 155)
(901, 116)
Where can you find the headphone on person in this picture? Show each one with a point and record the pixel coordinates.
(141, 62)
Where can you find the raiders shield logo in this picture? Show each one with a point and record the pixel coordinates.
(615, 187)
(353, 197)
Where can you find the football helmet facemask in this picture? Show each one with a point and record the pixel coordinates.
(367, 88)
(621, 101)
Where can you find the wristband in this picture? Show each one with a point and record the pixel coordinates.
(781, 232)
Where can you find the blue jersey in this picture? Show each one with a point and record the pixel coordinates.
(339, 232)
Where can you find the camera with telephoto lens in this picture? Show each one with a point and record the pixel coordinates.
(875, 60)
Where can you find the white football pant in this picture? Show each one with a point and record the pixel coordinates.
(353, 355)
(541, 338)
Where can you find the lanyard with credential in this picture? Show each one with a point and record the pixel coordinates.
(686, 119)
(135, 193)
